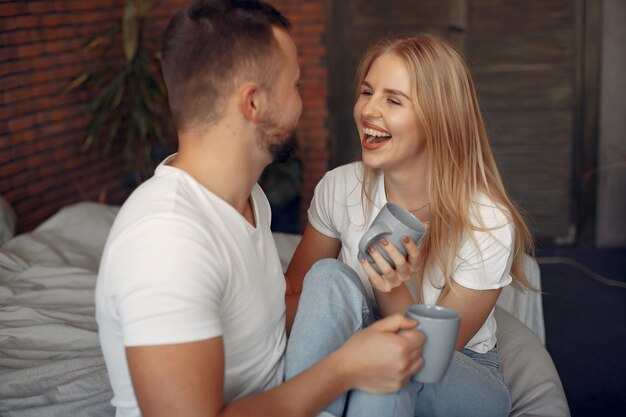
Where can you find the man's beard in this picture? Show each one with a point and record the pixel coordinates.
(278, 141)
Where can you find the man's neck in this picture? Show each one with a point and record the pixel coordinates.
(226, 167)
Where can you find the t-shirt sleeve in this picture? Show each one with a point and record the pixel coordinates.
(167, 283)
(484, 262)
(320, 213)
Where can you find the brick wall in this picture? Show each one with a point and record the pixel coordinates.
(42, 166)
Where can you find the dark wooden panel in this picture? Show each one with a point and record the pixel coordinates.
(524, 16)
(529, 88)
(399, 13)
(528, 128)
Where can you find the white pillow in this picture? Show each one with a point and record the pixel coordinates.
(8, 218)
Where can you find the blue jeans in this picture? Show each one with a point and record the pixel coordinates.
(334, 305)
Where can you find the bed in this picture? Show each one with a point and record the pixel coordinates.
(50, 358)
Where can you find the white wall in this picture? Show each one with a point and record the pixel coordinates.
(611, 206)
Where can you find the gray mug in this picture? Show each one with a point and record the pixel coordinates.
(392, 223)
(440, 326)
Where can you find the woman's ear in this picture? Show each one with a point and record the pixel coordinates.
(251, 101)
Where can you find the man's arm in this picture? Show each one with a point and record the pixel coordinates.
(187, 379)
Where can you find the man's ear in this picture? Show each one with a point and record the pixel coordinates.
(251, 101)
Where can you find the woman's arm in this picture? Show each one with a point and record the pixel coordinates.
(474, 307)
(312, 247)
(393, 296)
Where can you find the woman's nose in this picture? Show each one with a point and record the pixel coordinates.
(371, 109)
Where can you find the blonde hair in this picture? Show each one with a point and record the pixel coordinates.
(460, 160)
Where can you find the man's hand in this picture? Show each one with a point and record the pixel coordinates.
(380, 359)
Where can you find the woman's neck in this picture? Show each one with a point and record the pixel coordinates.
(409, 190)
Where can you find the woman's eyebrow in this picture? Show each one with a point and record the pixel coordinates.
(387, 90)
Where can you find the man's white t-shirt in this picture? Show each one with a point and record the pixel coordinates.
(337, 211)
(182, 265)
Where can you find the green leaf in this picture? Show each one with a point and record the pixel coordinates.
(75, 83)
(147, 97)
(112, 134)
(119, 94)
(100, 76)
(139, 117)
(144, 7)
(130, 31)
(93, 131)
(102, 103)
(87, 142)
(104, 37)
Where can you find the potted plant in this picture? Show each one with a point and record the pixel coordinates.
(128, 107)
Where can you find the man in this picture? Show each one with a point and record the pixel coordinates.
(190, 294)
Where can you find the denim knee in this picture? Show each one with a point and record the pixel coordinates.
(332, 288)
(329, 274)
(469, 389)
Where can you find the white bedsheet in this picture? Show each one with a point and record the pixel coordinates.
(50, 358)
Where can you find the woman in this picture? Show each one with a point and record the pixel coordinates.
(425, 148)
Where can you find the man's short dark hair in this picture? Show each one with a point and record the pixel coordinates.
(209, 46)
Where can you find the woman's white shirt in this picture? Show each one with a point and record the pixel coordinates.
(483, 262)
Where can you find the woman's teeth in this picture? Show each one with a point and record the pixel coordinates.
(372, 136)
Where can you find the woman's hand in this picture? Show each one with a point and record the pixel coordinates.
(392, 278)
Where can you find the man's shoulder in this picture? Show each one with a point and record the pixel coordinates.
(162, 205)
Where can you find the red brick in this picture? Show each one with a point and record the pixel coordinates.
(62, 153)
(53, 20)
(10, 168)
(53, 87)
(20, 123)
(41, 6)
(59, 32)
(11, 96)
(7, 53)
(27, 135)
(18, 37)
(100, 15)
(312, 8)
(31, 202)
(14, 9)
(30, 64)
(75, 5)
(40, 185)
(22, 177)
(18, 22)
(7, 112)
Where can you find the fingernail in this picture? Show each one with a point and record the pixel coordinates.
(384, 242)
(406, 239)
(370, 249)
(361, 259)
